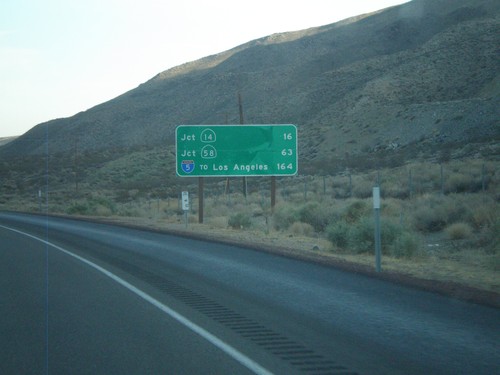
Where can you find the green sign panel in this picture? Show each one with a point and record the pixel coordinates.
(236, 150)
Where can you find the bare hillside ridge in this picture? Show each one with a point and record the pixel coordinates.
(423, 71)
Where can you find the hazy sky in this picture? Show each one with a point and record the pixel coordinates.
(60, 57)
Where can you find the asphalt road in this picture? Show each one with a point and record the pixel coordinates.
(85, 298)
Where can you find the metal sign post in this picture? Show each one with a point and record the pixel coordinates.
(378, 245)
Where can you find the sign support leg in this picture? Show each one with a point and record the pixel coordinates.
(273, 193)
(201, 184)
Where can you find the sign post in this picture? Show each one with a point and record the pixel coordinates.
(236, 150)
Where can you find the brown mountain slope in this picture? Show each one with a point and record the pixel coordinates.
(423, 71)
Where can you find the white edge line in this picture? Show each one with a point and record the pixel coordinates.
(225, 347)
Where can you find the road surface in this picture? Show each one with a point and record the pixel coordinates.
(86, 298)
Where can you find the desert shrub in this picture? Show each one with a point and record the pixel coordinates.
(128, 211)
(338, 233)
(359, 237)
(315, 214)
(284, 216)
(434, 213)
(103, 204)
(99, 206)
(426, 177)
(178, 211)
(362, 188)
(454, 209)
(79, 208)
(490, 238)
(458, 231)
(301, 229)
(396, 191)
(391, 231)
(406, 245)
(101, 210)
(217, 209)
(239, 220)
(362, 235)
(392, 207)
(217, 222)
(428, 219)
(355, 211)
(493, 235)
(458, 183)
(483, 213)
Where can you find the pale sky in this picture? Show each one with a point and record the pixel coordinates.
(61, 57)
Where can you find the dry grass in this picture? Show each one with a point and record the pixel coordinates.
(459, 231)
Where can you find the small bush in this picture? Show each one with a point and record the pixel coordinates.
(406, 245)
(434, 213)
(78, 209)
(217, 222)
(459, 183)
(459, 231)
(316, 215)
(362, 236)
(239, 220)
(362, 189)
(362, 239)
(217, 209)
(284, 216)
(490, 238)
(355, 211)
(454, 209)
(429, 219)
(483, 216)
(95, 206)
(359, 237)
(301, 229)
(338, 234)
(101, 210)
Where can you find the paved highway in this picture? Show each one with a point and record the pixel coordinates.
(85, 298)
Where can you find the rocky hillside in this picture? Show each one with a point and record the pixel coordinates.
(5, 140)
(425, 71)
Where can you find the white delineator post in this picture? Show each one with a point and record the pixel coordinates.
(376, 208)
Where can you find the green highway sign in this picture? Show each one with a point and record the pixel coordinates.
(236, 150)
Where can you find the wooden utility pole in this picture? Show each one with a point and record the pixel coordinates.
(75, 161)
(273, 193)
(240, 106)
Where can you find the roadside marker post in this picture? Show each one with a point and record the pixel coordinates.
(378, 245)
(185, 206)
(40, 200)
